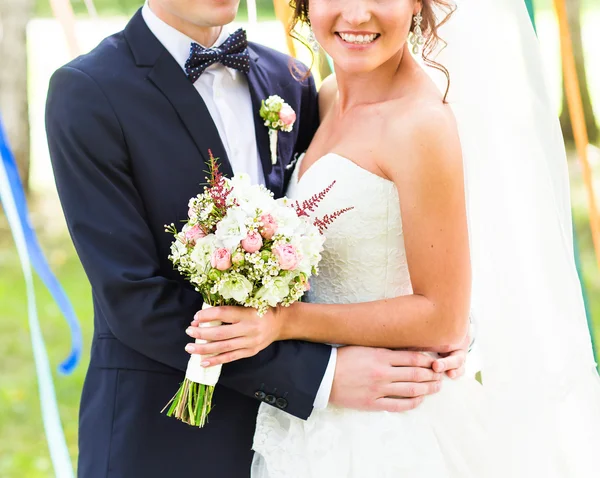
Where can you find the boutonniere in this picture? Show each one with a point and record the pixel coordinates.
(278, 116)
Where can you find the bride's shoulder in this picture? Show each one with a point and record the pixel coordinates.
(327, 94)
(421, 134)
(418, 117)
(424, 116)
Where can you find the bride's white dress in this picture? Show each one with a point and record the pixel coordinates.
(365, 260)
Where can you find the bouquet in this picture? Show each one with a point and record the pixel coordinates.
(242, 247)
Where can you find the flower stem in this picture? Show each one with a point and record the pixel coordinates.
(191, 404)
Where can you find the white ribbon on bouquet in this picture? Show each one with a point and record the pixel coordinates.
(195, 371)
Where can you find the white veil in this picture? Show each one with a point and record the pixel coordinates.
(536, 352)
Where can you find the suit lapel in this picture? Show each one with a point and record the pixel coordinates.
(190, 107)
(169, 78)
(258, 82)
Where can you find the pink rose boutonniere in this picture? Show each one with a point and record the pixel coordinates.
(278, 116)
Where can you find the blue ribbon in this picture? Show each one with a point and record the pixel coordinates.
(13, 200)
(37, 258)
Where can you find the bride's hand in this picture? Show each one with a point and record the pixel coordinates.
(453, 360)
(243, 333)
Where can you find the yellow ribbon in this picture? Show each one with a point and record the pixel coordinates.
(573, 93)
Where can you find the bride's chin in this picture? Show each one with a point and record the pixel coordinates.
(352, 63)
(352, 67)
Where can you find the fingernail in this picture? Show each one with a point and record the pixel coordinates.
(188, 331)
(205, 363)
(189, 348)
(442, 365)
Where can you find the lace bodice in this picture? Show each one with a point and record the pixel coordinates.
(364, 257)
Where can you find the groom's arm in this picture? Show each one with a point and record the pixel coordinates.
(283, 365)
(107, 222)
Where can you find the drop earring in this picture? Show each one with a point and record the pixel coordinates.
(312, 41)
(417, 40)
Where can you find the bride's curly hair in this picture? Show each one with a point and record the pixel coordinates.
(435, 13)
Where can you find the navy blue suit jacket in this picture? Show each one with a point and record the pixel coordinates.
(129, 136)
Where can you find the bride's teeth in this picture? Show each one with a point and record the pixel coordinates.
(358, 39)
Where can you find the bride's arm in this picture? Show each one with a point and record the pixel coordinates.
(429, 178)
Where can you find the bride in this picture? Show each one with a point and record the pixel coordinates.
(459, 187)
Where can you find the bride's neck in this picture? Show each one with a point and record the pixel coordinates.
(371, 87)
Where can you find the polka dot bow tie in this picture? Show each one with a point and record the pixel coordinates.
(233, 53)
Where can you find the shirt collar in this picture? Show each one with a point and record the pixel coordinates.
(175, 42)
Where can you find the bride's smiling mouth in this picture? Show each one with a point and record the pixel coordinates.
(357, 39)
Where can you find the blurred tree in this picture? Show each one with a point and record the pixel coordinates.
(574, 14)
(14, 15)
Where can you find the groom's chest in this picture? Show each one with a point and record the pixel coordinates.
(169, 128)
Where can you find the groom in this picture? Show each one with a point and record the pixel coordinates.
(129, 128)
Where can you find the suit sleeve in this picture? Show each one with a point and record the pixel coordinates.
(108, 224)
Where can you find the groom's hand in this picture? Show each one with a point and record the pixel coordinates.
(381, 379)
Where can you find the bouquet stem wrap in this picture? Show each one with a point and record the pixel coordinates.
(196, 372)
(193, 401)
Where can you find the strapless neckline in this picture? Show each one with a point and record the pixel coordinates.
(329, 156)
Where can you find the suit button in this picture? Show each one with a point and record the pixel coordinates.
(270, 399)
(260, 395)
(281, 403)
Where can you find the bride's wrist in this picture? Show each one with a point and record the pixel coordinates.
(288, 321)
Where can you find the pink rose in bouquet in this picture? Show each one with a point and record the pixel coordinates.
(221, 259)
(287, 256)
(252, 243)
(269, 226)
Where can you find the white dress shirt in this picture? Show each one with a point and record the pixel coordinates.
(227, 96)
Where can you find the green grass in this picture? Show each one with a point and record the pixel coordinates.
(23, 450)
